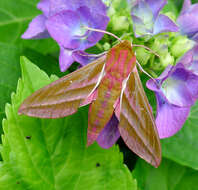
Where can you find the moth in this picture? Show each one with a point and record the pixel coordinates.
(111, 85)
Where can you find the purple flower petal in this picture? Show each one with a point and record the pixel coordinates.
(96, 6)
(194, 67)
(98, 22)
(179, 86)
(195, 37)
(152, 85)
(188, 24)
(176, 90)
(164, 24)
(170, 118)
(190, 60)
(187, 58)
(62, 26)
(146, 18)
(66, 21)
(188, 20)
(92, 20)
(110, 134)
(193, 9)
(36, 29)
(44, 6)
(192, 85)
(142, 19)
(82, 57)
(186, 6)
(67, 28)
(175, 87)
(156, 6)
(65, 59)
(63, 5)
(155, 85)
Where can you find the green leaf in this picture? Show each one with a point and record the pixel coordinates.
(51, 153)
(194, 1)
(14, 19)
(10, 72)
(10, 69)
(169, 176)
(172, 7)
(183, 147)
(45, 62)
(178, 4)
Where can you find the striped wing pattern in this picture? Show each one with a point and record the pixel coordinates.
(137, 125)
(64, 96)
(120, 62)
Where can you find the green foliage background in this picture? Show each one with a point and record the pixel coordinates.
(51, 154)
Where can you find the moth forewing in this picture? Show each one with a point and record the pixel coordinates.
(102, 74)
(137, 126)
(64, 96)
(124, 84)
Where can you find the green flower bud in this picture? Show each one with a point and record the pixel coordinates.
(106, 46)
(180, 45)
(142, 55)
(166, 60)
(160, 45)
(162, 62)
(111, 11)
(170, 10)
(120, 4)
(120, 23)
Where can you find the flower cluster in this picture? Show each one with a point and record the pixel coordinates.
(67, 22)
(188, 20)
(176, 89)
(148, 21)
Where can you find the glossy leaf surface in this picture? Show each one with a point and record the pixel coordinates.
(10, 72)
(183, 147)
(10, 69)
(14, 19)
(169, 176)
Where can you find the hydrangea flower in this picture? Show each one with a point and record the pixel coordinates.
(66, 21)
(147, 19)
(176, 91)
(190, 60)
(188, 20)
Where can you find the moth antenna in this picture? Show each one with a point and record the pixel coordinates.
(103, 31)
(145, 47)
(92, 55)
(146, 72)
